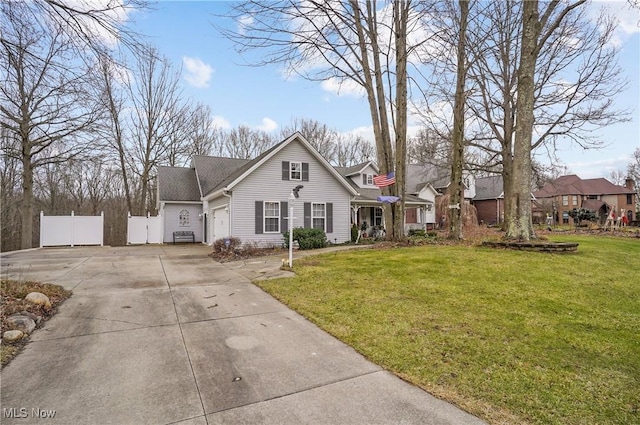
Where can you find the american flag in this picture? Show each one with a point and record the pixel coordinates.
(382, 181)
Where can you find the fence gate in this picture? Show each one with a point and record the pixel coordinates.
(143, 230)
(71, 230)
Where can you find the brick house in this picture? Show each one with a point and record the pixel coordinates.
(565, 193)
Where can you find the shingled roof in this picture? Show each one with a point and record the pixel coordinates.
(491, 187)
(574, 185)
(178, 184)
(213, 171)
(418, 175)
(355, 169)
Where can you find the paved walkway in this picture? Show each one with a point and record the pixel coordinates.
(164, 335)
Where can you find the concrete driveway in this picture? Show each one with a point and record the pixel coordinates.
(164, 335)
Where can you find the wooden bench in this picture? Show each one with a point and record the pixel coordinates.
(184, 235)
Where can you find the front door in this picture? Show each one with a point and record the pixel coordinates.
(220, 224)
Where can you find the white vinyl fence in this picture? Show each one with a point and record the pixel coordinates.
(71, 230)
(143, 230)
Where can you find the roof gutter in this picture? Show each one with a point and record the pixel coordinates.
(215, 194)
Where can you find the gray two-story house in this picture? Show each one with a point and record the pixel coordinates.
(251, 199)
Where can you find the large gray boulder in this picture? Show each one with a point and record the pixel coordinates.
(22, 323)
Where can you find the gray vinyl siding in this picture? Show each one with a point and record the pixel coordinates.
(266, 184)
(171, 213)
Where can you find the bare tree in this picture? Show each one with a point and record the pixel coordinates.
(429, 147)
(92, 26)
(244, 142)
(157, 107)
(319, 135)
(351, 150)
(357, 43)
(202, 135)
(45, 102)
(618, 177)
(457, 160)
(9, 193)
(537, 28)
(114, 80)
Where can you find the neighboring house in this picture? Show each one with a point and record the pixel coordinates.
(367, 210)
(599, 195)
(439, 178)
(432, 182)
(249, 199)
(489, 200)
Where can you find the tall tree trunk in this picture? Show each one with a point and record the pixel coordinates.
(374, 84)
(519, 225)
(401, 16)
(457, 160)
(507, 182)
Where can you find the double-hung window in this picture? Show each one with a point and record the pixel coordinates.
(318, 216)
(565, 200)
(272, 217)
(370, 179)
(295, 171)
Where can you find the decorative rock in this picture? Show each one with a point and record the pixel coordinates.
(35, 318)
(12, 336)
(21, 323)
(38, 298)
(29, 315)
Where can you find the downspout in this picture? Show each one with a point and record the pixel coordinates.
(226, 193)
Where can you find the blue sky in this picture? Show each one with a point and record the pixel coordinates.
(183, 31)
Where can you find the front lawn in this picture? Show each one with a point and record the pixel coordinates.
(509, 336)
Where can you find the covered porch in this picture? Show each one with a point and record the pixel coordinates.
(368, 216)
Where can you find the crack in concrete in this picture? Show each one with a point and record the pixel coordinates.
(326, 384)
(104, 320)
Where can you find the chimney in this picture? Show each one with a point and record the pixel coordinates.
(628, 183)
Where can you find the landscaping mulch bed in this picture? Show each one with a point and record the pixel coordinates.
(534, 246)
(12, 294)
(244, 254)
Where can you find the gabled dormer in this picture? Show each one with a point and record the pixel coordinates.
(362, 174)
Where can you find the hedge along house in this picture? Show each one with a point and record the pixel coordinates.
(249, 199)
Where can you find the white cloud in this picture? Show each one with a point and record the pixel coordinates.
(366, 132)
(221, 122)
(346, 87)
(198, 72)
(268, 125)
(600, 167)
(244, 22)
